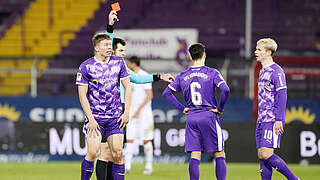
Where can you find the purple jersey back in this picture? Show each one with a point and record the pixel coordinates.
(271, 79)
(198, 85)
(103, 80)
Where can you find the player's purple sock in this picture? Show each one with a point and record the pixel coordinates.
(279, 164)
(86, 169)
(265, 170)
(221, 168)
(194, 171)
(118, 171)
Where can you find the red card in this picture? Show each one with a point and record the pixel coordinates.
(115, 6)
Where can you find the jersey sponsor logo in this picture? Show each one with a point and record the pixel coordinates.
(79, 75)
(266, 84)
(109, 80)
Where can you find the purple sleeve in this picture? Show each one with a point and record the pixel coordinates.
(279, 80)
(225, 91)
(218, 79)
(167, 93)
(280, 104)
(175, 85)
(82, 76)
(124, 73)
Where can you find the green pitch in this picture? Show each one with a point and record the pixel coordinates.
(71, 171)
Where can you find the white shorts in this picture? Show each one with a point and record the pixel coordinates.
(141, 128)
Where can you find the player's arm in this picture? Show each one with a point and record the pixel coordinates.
(82, 91)
(148, 98)
(168, 94)
(149, 78)
(279, 109)
(127, 98)
(225, 92)
(279, 80)
(219, 82)
(165, 77)
(112, 19)
(82, 81)
(140, 79)
(280, 104)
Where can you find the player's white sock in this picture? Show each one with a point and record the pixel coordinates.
(128, 155)
(148, 152)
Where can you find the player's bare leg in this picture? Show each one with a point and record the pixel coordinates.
(115, 143)
(104, 163)
(265, 153)
(93, 144)
(268, 160)
(221, 167)
(129, 154)
(194, 163)
(148, 153)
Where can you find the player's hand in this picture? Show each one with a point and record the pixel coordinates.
(216, 111)
(93, 125)
(278, 128)
(94, 137)
(124, 119)
(186, 110)
(112, 17)
(167, 77)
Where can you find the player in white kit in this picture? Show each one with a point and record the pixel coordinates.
(141, 123)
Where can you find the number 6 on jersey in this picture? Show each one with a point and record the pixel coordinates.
(195, 96)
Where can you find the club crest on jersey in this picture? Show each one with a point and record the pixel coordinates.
(79, 75)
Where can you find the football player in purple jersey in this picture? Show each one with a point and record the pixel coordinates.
(203, 129)
(98, 81)
(272, 99)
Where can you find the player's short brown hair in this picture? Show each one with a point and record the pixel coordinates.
(196, 51)
(99, 36)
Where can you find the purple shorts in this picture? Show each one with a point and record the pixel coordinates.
(108, 126)
(266, 136)
(203, 132)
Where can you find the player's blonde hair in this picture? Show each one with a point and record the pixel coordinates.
(269, 44)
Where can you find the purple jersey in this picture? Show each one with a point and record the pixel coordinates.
(198, 85)
(103, 80)
(271, 80)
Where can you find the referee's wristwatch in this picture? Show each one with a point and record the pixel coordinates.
(156, 77)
